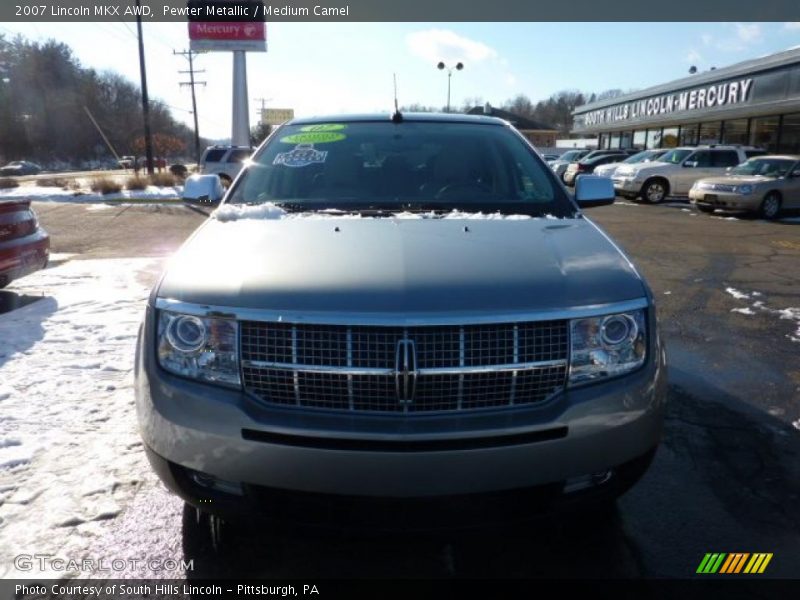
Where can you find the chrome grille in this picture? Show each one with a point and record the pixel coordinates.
(356, 368)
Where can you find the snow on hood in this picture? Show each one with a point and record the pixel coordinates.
(271, 211)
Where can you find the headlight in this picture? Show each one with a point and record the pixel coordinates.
(607, 346)
(744, 189)
(199, 347)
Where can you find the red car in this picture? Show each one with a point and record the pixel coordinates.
(24, 246)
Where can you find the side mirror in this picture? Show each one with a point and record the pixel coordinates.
(593, 190)
(690, 164)
(203, 190)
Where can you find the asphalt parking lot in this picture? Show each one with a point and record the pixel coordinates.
(725, 479)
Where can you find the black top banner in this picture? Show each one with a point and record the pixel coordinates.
(393, 10)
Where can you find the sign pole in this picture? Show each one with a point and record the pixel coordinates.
(240, 136)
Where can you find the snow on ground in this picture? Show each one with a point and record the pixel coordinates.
(70, 455)
(759, 306)
(57, 194)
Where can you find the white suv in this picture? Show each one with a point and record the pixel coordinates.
(225, 161)
(674, 173)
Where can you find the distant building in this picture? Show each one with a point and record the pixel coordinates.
(755, 102)
(539, 134)
(276, 116)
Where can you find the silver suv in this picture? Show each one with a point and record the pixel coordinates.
(393, 308)
(674, 173)
(224, 161)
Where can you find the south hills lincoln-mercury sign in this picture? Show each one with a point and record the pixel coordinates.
(710, 96)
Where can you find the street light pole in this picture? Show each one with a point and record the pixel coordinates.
(441, 66)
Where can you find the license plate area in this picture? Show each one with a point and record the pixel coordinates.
(711, 199)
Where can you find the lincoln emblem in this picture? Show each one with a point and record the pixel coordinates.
(405, 370)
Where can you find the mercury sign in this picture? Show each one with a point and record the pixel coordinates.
(250, 36)
(722, 94)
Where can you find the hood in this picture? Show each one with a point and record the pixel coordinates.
(642, 166)
(403, 266)
(608, 167)
(737, 179)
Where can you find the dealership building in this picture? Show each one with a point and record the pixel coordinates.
(756, 102)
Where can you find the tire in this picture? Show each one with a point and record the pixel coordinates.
(705, 209)
(655, 191)
(771, 206)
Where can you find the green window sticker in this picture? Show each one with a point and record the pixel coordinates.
(324, 127)
(313, 137)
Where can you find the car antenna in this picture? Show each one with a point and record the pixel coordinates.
(397, 117)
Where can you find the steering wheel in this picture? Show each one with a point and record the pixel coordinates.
(463, 186)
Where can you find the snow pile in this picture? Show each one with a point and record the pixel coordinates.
(270, 211)
(57, 194)
(759, 306)
(234, 212)
(70, 454)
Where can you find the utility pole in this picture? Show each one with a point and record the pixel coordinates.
(148, 140)
(190, 54)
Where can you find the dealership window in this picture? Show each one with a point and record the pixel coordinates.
(654, 138)
(626, 139)
(735, 132)
(614, 140)
(790, 134)
(669, 139)
(689, 135)
(764, 133)
(602, 141)
(640, 139)
(710, 132)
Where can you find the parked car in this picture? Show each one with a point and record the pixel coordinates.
(609, 169)
(587, 165)
(764, 185)
(449, 342)
(24, 245)
(562, 162)
(676, 171)
(127, 162)
(225, 161)
(20, 167)
(550, 157)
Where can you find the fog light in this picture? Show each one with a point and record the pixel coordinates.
(584, 482)
(213, 483)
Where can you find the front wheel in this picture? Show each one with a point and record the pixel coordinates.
(771, 206)
(654, 191)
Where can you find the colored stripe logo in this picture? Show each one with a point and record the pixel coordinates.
(734, 563)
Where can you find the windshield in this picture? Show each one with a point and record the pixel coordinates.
(766, 167)
(571, 155)
(644, 156)
(383, 166)
(675, 156)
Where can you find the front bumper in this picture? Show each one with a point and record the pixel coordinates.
(224, 433)
(725, 200)
(626, 185)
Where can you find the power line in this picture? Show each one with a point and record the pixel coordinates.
(189, 54)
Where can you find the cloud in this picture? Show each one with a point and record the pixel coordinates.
(434, 45)
(693, 57)
(740, 36)
(748, 32)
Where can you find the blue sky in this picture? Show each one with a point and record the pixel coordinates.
(323, 68)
